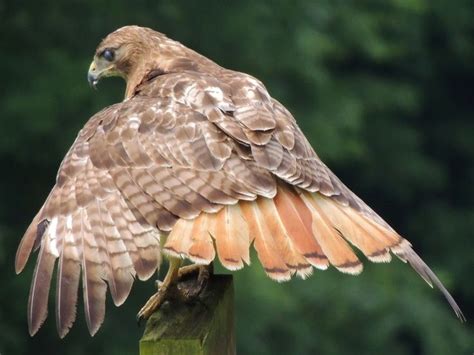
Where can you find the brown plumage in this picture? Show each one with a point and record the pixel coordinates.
(204, 157)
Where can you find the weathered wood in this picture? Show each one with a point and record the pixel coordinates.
(204, 327)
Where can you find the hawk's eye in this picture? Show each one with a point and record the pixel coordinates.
(108, 54)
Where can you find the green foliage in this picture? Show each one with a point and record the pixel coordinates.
(383, 90)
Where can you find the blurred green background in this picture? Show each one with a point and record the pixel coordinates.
(384, 91)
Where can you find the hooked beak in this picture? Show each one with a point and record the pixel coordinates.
(97, 70)
(93, 75)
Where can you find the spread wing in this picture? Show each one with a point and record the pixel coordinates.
(218, 164)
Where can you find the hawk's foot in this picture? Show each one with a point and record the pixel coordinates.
(164, 289)
(184, 284)
(188, 288)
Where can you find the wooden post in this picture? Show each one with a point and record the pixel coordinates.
(204, 327)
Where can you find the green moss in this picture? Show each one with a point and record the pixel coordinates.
(203, 327)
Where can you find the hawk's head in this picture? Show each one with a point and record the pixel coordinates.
(122, 52)
(134, 52)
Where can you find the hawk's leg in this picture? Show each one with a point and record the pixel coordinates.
(178, 284)
(164, 289)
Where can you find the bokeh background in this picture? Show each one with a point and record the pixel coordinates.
(384, 92)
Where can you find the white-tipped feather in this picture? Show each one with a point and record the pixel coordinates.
(296, 219)
(272, 263)
(283, 243)
(355, 229)
(179, 239)
(383, 257)
(334, 247)
(231, 234)
(202, 249)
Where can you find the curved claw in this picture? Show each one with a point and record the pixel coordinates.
(169, 289)
(152, 304)
(160, 297)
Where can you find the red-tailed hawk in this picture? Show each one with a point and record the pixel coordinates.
(203, 159)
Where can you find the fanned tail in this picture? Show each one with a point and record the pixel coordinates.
(291, 233)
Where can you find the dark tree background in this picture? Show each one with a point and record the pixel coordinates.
(383, 90)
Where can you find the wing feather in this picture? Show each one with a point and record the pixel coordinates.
(40, 285)
(30, 238)
(68, 275)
